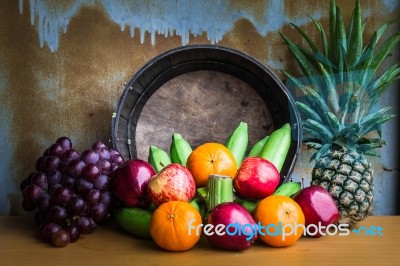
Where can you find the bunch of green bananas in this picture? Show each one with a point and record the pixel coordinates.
(179, 151)
(274, 147)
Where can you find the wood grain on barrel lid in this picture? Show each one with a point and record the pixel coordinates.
(203, 106)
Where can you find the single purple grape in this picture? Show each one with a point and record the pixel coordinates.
(82, 186)
(74, 233)
(102, 183)
(99, 212)
(93, 197)
(71, 154)
(40, 179)
(104, 166)
(61, 195)
(58, 214)
(104, 153)
(44, 202)
(75, 167)
(51, 163)
(32, 192)
(114, 152)
(90, 156)
(98, 145)
(91, 172)
(84, 224)
(116, 159)
(106, 198)
(48, 229)
(65, 143)
(60, 238)
(54, 178)
(56, 150)
(77, 206)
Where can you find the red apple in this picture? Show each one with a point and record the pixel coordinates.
(130, 180)
(319, 208)
(230, 226)
(256, 178)
(173, 182)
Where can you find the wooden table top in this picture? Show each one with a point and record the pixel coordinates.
(109, 245)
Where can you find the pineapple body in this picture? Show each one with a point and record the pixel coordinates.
(347, 175)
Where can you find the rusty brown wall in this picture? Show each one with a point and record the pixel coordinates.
(72, 88)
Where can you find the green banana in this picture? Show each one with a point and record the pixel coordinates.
(288, 189)
(277, 146)
(158, 158)
(135, 220)
(257, 147)
(238, 141)
(180, 149)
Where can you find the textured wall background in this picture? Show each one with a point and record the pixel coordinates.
(63, 65)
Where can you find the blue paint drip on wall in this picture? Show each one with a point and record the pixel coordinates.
(170, 17)
(6, 172)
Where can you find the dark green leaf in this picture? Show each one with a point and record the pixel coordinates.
(308, 112)
(305, 65)
(355, 44)
(384, 50)
(332, 31)
(313, 47)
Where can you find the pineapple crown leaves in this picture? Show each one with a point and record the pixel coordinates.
(340, 86)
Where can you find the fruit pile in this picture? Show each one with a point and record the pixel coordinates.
(176, 197)
(70, 190)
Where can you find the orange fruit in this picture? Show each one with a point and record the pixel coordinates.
(173, 226)
(282, 220)
(210, 158)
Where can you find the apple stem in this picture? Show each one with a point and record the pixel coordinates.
(302, 182)
(220, 189)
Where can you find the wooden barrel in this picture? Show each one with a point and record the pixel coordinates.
(202, 92)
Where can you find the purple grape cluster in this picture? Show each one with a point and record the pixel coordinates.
(70, 191)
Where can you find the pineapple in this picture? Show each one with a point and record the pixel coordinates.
(336, 97)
